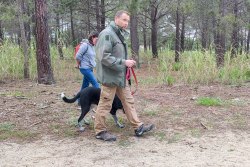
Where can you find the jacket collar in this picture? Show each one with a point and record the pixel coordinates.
(121, 33)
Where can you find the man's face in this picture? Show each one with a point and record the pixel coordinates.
(122, 21)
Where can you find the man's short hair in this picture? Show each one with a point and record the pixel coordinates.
(120, 12)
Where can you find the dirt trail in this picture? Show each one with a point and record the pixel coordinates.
(38, 129)
(227, 149)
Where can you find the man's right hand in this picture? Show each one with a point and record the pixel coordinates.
(130, 63)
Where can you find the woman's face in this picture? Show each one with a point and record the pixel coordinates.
(94, 39)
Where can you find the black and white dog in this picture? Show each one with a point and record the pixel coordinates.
(91, 95)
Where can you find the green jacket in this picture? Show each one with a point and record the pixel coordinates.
(111, 53)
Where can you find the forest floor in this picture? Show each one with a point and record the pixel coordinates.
(38, 129)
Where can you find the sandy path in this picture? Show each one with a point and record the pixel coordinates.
(227, 149)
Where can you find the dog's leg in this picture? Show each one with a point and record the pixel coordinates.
(85, 110)
(117, 122)
(81, 128)
(86, 122)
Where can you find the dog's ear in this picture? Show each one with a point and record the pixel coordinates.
(62, 95)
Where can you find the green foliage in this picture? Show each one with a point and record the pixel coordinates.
(161, 136)
(235, 71)
(6, 126)
(170, 80)
(196, 67)
(247, 75)
(11, 62)
(209, 101)
(8, 131)
(176, 66)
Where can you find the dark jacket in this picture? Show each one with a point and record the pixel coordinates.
(111, 53)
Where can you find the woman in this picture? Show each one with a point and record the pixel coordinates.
(85, 58)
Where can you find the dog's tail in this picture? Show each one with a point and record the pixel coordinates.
(67, 100)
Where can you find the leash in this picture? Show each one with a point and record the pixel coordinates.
(128, 77)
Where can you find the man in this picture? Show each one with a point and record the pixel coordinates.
(111, 52)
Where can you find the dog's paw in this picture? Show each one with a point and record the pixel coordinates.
(62, 95)
(120, 125)
(81, 129)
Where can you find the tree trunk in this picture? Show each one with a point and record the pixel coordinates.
(1, 32)
(204, 34)
(154, 31)
(103, 15)
(149, 43)
(88, 16)
(44, 68)
(248, 41)
(177, 36)
(23, 40)
(220, 37)
(144, 39)
(235, 38)
(183, 34)
(58, 32)
(241, 46)
(133, 31)
(97, 14)
(72, 27)
(144, 30)
(26, 11)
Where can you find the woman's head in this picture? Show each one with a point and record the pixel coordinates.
(92, 37)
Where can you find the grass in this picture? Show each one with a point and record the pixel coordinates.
(194, 66)
(209, 101)
(238, 121)
(160, 136)
(175, 137)
(11, 63)
(8, 131)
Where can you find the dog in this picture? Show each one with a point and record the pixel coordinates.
(91, 95)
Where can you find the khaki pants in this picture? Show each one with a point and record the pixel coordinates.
(105, 104)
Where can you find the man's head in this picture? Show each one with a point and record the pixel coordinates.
(122, 18)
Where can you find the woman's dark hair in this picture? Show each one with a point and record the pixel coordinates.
(92, 35)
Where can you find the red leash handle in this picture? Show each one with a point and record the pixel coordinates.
(128, 77)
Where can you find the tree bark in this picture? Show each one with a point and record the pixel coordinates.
(134, 32)
(103, 15)
(88, 16)
(1, 32)
(220, 36)
(26, 11)
(72, 26)
(234, 37)
(58, 32)
(44, 68)
(183, 33)
(177, 35)
(144, 30)
(97, 13)
(153, 30)
(248, 41)
(204, 33)
(23, 39)
(144, 39)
